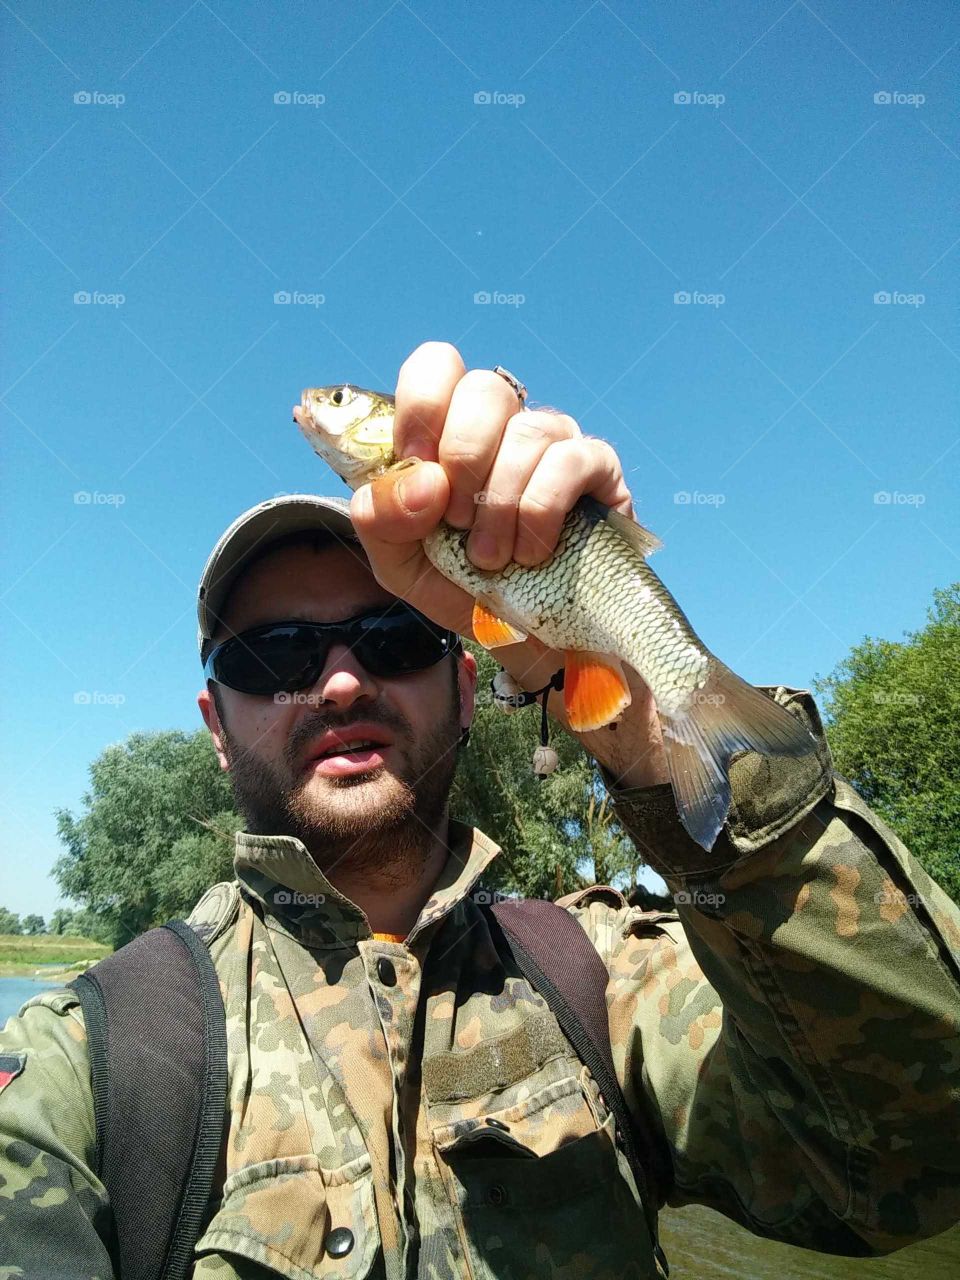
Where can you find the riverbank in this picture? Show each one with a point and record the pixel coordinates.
(47, 955)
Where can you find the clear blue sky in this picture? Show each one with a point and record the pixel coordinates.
(583, 186)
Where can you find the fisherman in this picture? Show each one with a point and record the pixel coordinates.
(401, 1099)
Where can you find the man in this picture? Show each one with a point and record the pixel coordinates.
(401, 1101)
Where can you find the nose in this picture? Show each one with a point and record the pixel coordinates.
(344, 679)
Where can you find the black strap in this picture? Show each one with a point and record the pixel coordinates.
(158, 1061)
(556, 956)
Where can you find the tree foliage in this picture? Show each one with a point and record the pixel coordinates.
(156, 831)
(78, 923)
(893, 723)
(33, 924)
(10, 922)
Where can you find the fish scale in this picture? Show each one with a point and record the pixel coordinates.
(592, 594)
(598, 602)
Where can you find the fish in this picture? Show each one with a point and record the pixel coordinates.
(597, 601)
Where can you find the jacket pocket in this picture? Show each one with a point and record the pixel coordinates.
(297, 1219)
(534, 1200)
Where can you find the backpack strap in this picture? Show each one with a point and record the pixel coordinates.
(158, 1062)
(555, 954)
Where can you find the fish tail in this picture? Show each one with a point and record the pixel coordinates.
(725, 716)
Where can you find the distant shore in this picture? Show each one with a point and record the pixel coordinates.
(47, 955)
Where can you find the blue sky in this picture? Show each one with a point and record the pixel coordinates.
(583, 165)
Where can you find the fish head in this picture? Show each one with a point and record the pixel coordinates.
(350, 428)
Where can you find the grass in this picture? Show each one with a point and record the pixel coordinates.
(21, 955)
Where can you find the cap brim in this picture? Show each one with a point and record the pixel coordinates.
(251, 532)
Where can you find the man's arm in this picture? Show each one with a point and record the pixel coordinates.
(52, 1206)
(800, 1036)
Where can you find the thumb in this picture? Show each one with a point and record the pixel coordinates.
(402, 506)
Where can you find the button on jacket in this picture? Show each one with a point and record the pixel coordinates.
(411, 1109)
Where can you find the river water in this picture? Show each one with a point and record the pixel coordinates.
(14, 991)
(703, 1245)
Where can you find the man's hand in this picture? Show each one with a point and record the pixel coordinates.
(509, 475)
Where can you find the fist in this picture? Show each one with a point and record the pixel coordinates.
(485, 464)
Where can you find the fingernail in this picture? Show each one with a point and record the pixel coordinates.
(418, 447)
(482, 547)
(460, 511)
(416, 489)
(363, 500)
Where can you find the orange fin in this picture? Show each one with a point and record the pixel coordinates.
(491, 631)
(595, 690)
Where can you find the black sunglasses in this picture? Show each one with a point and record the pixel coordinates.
(281, 657)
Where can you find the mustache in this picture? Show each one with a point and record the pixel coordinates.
(316, 725)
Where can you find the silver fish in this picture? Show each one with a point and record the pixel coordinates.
(598, 602)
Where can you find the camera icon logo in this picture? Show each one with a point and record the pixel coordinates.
(483, 98)
(682, 99)
(282, 898)
(281, 99)
(83, 98)
(883, 98)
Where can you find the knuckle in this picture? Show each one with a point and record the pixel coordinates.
(488, 384)
(534, 506)
(531, 428)
(463, 458)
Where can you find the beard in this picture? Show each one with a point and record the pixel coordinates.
(378, 823)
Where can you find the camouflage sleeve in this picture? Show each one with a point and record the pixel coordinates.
(799, 1035)
(51, 1203)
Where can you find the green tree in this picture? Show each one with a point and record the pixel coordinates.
(33, 925)
(156, 830)
(9, 921)
(67, 921)
(557, 834)
(893, 722)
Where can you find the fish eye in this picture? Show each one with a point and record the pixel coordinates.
(341, 396)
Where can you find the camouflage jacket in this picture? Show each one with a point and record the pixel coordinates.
(411, 1109)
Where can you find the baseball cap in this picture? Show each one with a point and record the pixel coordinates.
(251, 533)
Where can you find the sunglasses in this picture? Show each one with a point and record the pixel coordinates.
(281, 657)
